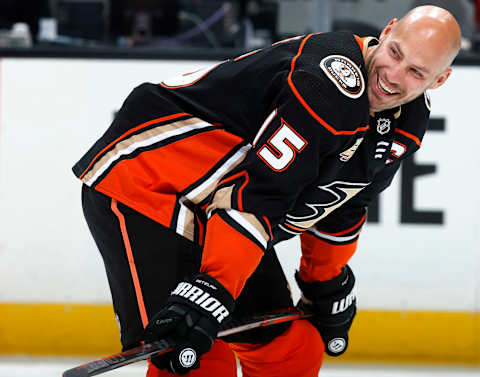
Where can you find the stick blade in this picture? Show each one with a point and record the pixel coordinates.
(118, 360)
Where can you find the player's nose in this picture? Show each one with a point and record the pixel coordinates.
(394, 76)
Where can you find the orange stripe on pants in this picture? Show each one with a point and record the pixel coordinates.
(131, 262)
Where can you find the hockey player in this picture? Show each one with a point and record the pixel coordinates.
(199, 176)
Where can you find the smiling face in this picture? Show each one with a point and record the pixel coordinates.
(413, 55)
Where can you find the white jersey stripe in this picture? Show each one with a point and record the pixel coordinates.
(203, 188)
(249, 227)
(264, 125)
(221, 171)
(182, 212)
(145, 143)
(333, 238)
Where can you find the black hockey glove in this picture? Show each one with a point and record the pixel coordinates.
(333, 303)
(191, 319)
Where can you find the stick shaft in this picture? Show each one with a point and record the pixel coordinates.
(145, 351)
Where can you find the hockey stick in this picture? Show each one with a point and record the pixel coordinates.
(163, 346)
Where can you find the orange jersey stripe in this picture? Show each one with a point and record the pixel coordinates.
(201, 231)
(150, 182)
(131, 262)
(297, 228)
(410, 136)
(322, 261)
(143, 125)
(164, 207)
(304, 103)
(269, 226)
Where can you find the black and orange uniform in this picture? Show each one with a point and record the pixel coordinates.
(237, 157)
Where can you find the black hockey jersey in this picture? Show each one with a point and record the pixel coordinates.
(254, 150)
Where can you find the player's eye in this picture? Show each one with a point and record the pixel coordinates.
(417, 73)
(394, 52)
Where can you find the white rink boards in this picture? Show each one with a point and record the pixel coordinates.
(52, 110)
(417, 267)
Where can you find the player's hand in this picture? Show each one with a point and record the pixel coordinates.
(191, 319)
(334, 306)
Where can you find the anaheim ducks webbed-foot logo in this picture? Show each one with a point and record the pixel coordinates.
(320, 202)
(345, 74)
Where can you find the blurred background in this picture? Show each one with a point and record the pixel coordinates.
(65, 68)
(153, 25)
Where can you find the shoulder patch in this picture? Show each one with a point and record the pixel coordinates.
(345, 74)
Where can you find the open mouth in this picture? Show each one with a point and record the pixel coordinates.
(383, 89)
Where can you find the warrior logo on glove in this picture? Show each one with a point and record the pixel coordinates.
(344, 303)
(190, 319)
(187, 357)
(202, 298)
(336, 345)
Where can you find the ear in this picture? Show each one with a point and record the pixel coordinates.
(440, 80)
(387, 29)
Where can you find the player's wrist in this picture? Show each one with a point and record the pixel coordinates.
(318, 289)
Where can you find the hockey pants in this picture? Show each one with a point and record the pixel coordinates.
(144, 261)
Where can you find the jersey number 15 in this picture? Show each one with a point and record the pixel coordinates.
(282, 147)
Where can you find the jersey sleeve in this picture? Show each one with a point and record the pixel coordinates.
(330, 243)
(307, 119)
(256, 194)
(283, 160)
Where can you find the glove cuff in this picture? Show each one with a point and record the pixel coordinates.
(205, 294)
(317, 290)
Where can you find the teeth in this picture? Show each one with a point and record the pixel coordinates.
(385, 87)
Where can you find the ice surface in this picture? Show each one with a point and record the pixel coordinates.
(53, 367)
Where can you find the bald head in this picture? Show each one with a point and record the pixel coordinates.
(433, 26)
(414, 54)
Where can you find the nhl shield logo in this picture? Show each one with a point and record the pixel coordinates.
(383, 126)
(345, 74)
